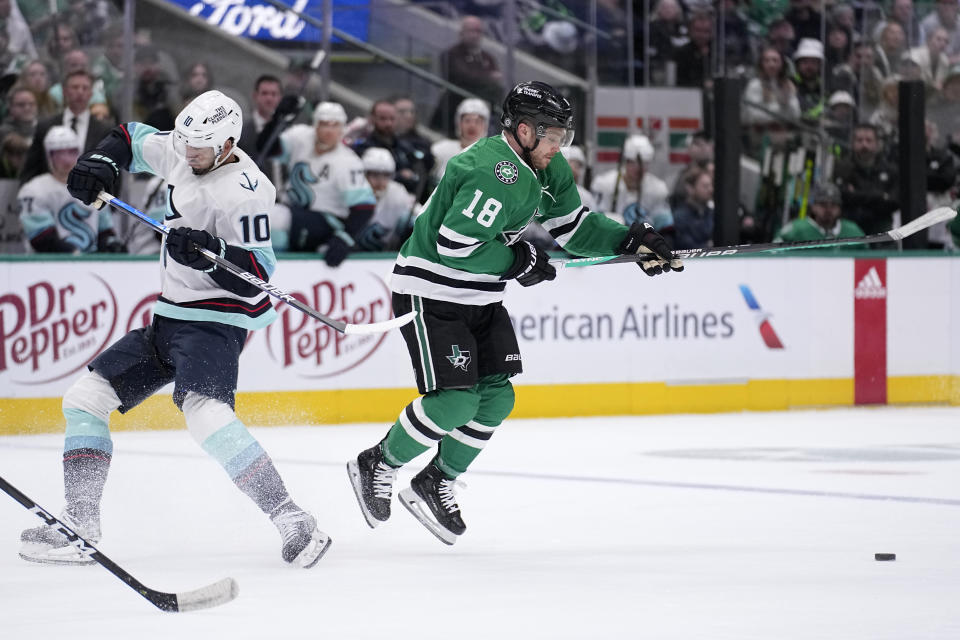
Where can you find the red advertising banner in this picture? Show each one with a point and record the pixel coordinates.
(870, 331)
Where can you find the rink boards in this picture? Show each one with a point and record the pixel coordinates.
(727, 334)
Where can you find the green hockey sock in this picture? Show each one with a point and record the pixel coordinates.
(426, 420)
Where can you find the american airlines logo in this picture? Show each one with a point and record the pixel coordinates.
(870, 286)
(767, 332)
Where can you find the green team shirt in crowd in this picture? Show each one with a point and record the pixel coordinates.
(804, 229)
(460, 242)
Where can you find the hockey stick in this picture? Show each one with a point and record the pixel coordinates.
(338, 325)
(930, 218)
(211, 595)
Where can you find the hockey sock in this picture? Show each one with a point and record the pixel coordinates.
(462, 445)
(87, 451)
(247, 464)
(426, 420)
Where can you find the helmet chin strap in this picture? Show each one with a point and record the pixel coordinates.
(527, 151)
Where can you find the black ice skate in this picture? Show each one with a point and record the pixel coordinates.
(303, 543)
(431, 501)
(45, 544)
(372, 480)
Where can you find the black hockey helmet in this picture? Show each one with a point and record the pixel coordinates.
(541, 105)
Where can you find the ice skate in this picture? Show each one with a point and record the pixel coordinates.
(431, 500)
(47, 544)
(372, 479)
(303, 543)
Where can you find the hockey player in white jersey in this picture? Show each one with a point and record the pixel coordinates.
(578, 164)
(471, 121)
(218, 200)
(630, 193)
(329, 198)
(393, 217)
(53, 221)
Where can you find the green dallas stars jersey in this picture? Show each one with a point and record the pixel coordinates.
(487, 197)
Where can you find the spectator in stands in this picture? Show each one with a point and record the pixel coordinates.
(108, 67)
(782, 36)
(35, 77)
(267, 94)
(885, 117)
(694, 217)
(889, 49)
(941, 180)
(155, 95)
(53, 220)
(700, 154)
(693, 58)
(838, 47)
(632, 183)
(329, 198)
(944, 15)
(772, 90)
(472, 122)
(62, 41)
(412, 169)
(738, 54)
(668, 32)
(824, 221)
(406, 131)
(393, 216)
(13, 149)
(808, 60)
(578, 165)
(197, 79)
(867, 183)
(19, 38)
(805, 18)
(844, 15)
(944, 109)
(903, 13)
(469, 67)
(932, 59)
(841, 116)
(77, 91)
(21, 113)
(77, 60)
(859, 77)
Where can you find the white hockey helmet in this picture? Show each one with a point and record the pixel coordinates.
(329, 112)
(60, 137)
(378, 160)
(574, 154)
(473, 105)
(208, 121)
(636, 147)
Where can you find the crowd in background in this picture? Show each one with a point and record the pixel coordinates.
(819, 111)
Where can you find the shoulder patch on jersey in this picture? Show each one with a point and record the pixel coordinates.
(251, 185)
(506, 172)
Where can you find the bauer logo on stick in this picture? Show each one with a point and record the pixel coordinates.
(506, 172)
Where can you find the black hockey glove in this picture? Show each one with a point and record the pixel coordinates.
(289, 108)
(337, 250)
(108, 242)
(642, 238)
(93, 173)
(530, 265)
(182, 247)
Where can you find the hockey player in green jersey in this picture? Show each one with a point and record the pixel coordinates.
(453, 270)
(824, 221)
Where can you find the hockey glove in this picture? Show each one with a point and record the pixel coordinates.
(93, 173)
(371, 238)
(642, 238)
(182, 246)
(531, 265)
(289, 108)
(337, 250)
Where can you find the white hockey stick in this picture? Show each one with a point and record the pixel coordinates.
(338, 325)
(930, 218)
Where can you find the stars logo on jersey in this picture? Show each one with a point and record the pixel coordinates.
(459, 359)
(506, 172)
(251, 186)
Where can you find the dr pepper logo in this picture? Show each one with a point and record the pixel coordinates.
(314, 350)
(51, 329)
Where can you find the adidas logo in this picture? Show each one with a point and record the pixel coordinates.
(870, 286)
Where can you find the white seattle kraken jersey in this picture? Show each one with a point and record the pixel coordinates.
(45, 202)
(442, 151)
(393, 212)
(232, 202)
(332, 182)
(654, 198)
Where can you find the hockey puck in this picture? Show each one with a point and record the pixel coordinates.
(885, 556)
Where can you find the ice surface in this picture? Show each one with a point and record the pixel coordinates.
(739, 526)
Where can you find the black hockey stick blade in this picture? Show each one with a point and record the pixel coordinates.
(930, 218)
(211, 595)
(263, 285)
